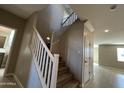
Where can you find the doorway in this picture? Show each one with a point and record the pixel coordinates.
(6, 39)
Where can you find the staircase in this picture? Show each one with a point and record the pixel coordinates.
(45, 62)
(65, 78)
(49, 65)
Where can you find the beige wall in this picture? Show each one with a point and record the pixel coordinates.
(12, 21)
(9, 39)
(56, 47)
(33, 79)
(49, 20)
(108, 56)
(72, 48)
(25, 69)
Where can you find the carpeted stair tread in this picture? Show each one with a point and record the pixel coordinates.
(63, 69)
(62, 64)
(64, 77)
(71, 84)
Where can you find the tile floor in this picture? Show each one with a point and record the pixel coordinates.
(107, 77)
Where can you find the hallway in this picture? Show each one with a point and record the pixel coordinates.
(107, 77)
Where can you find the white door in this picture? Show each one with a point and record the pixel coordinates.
(87, 55)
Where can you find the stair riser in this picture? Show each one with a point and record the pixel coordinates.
(62, 72)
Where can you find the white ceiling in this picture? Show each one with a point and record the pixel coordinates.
(23, 10)
(102, 18)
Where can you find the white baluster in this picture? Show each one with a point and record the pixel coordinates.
(55, 71)
(43, 56)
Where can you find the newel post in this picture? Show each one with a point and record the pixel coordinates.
(55, 71)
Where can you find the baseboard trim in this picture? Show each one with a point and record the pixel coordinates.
(88, 82)
(82, 85)
(16, 79)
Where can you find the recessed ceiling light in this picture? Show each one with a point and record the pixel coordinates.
(106, 30)
(48, 38)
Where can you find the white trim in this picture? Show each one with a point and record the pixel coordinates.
(55, 71)
(10, 51)
(83, 85)
(16, 79)
(89, 26)
(89, 81)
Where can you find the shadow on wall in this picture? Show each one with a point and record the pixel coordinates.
(49, 20)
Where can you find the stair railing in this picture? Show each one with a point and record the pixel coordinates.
(70, 19)
(46, 64)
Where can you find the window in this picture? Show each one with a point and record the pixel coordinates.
(120, 54)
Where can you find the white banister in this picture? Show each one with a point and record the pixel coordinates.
(55, 71)
(46, 64)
